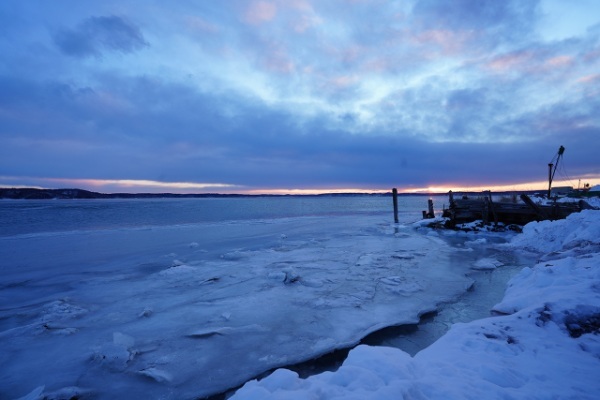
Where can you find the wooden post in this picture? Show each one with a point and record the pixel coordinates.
(492, 209)
(395, 198)
(430, 207)
(486, 211)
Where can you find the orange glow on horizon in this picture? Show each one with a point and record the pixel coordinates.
(528, 186)
(312, 191)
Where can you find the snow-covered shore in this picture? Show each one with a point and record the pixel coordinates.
(545, 344)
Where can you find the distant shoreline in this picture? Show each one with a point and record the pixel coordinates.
(52, 194)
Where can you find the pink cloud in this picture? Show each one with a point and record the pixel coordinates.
(509, 61)
(304, 16)
(260, 12)
(343, 81)
(591, 85)
(275, 58)
(377, 65)
(589, 78)
(450, 42)
(199, 24)
(559, 61)
(551, 67)
(279, 62)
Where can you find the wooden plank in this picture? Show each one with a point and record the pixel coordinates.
(538, 210)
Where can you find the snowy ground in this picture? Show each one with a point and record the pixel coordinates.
(186, 311)
(545, 345)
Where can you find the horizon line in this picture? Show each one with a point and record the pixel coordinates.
(115, 186)
(310, 192)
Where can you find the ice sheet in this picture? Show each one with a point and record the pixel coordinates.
(190, 310)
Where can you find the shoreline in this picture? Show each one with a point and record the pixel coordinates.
(432, 325)
(544, 342)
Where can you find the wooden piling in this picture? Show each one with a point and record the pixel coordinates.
(491, 206)
(485, 213)
(395, 199)
(430, 207)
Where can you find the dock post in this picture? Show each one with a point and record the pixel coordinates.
(492, 209)
(485, 213)
(430, 206)
(395, 198)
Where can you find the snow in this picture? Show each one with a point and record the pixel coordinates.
(593, 201)
(545, 345)
(580, 232)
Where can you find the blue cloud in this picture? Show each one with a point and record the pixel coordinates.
(501, 21)
(98, 34)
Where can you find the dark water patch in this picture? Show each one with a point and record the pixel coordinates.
(476, 303)
(327, 362)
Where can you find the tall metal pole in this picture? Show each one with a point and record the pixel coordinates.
(551, 171)
(550, 179)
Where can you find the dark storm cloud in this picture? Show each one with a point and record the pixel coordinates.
(98, 34)
(155, 130)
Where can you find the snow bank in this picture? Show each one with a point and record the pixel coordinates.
(547, 346)
(579, 231)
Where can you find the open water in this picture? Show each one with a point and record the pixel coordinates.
(38, 216)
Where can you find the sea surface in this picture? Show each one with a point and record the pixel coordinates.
(43, 216)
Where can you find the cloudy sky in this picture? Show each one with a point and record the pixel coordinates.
(267, 95)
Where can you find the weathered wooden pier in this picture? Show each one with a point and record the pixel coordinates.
(482, 207)
(511, 210)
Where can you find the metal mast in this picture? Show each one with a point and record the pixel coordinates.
(551, 170)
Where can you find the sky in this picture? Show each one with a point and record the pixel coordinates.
(298, 96)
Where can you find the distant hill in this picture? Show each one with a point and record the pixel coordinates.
(41, 194)
(31, 193)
